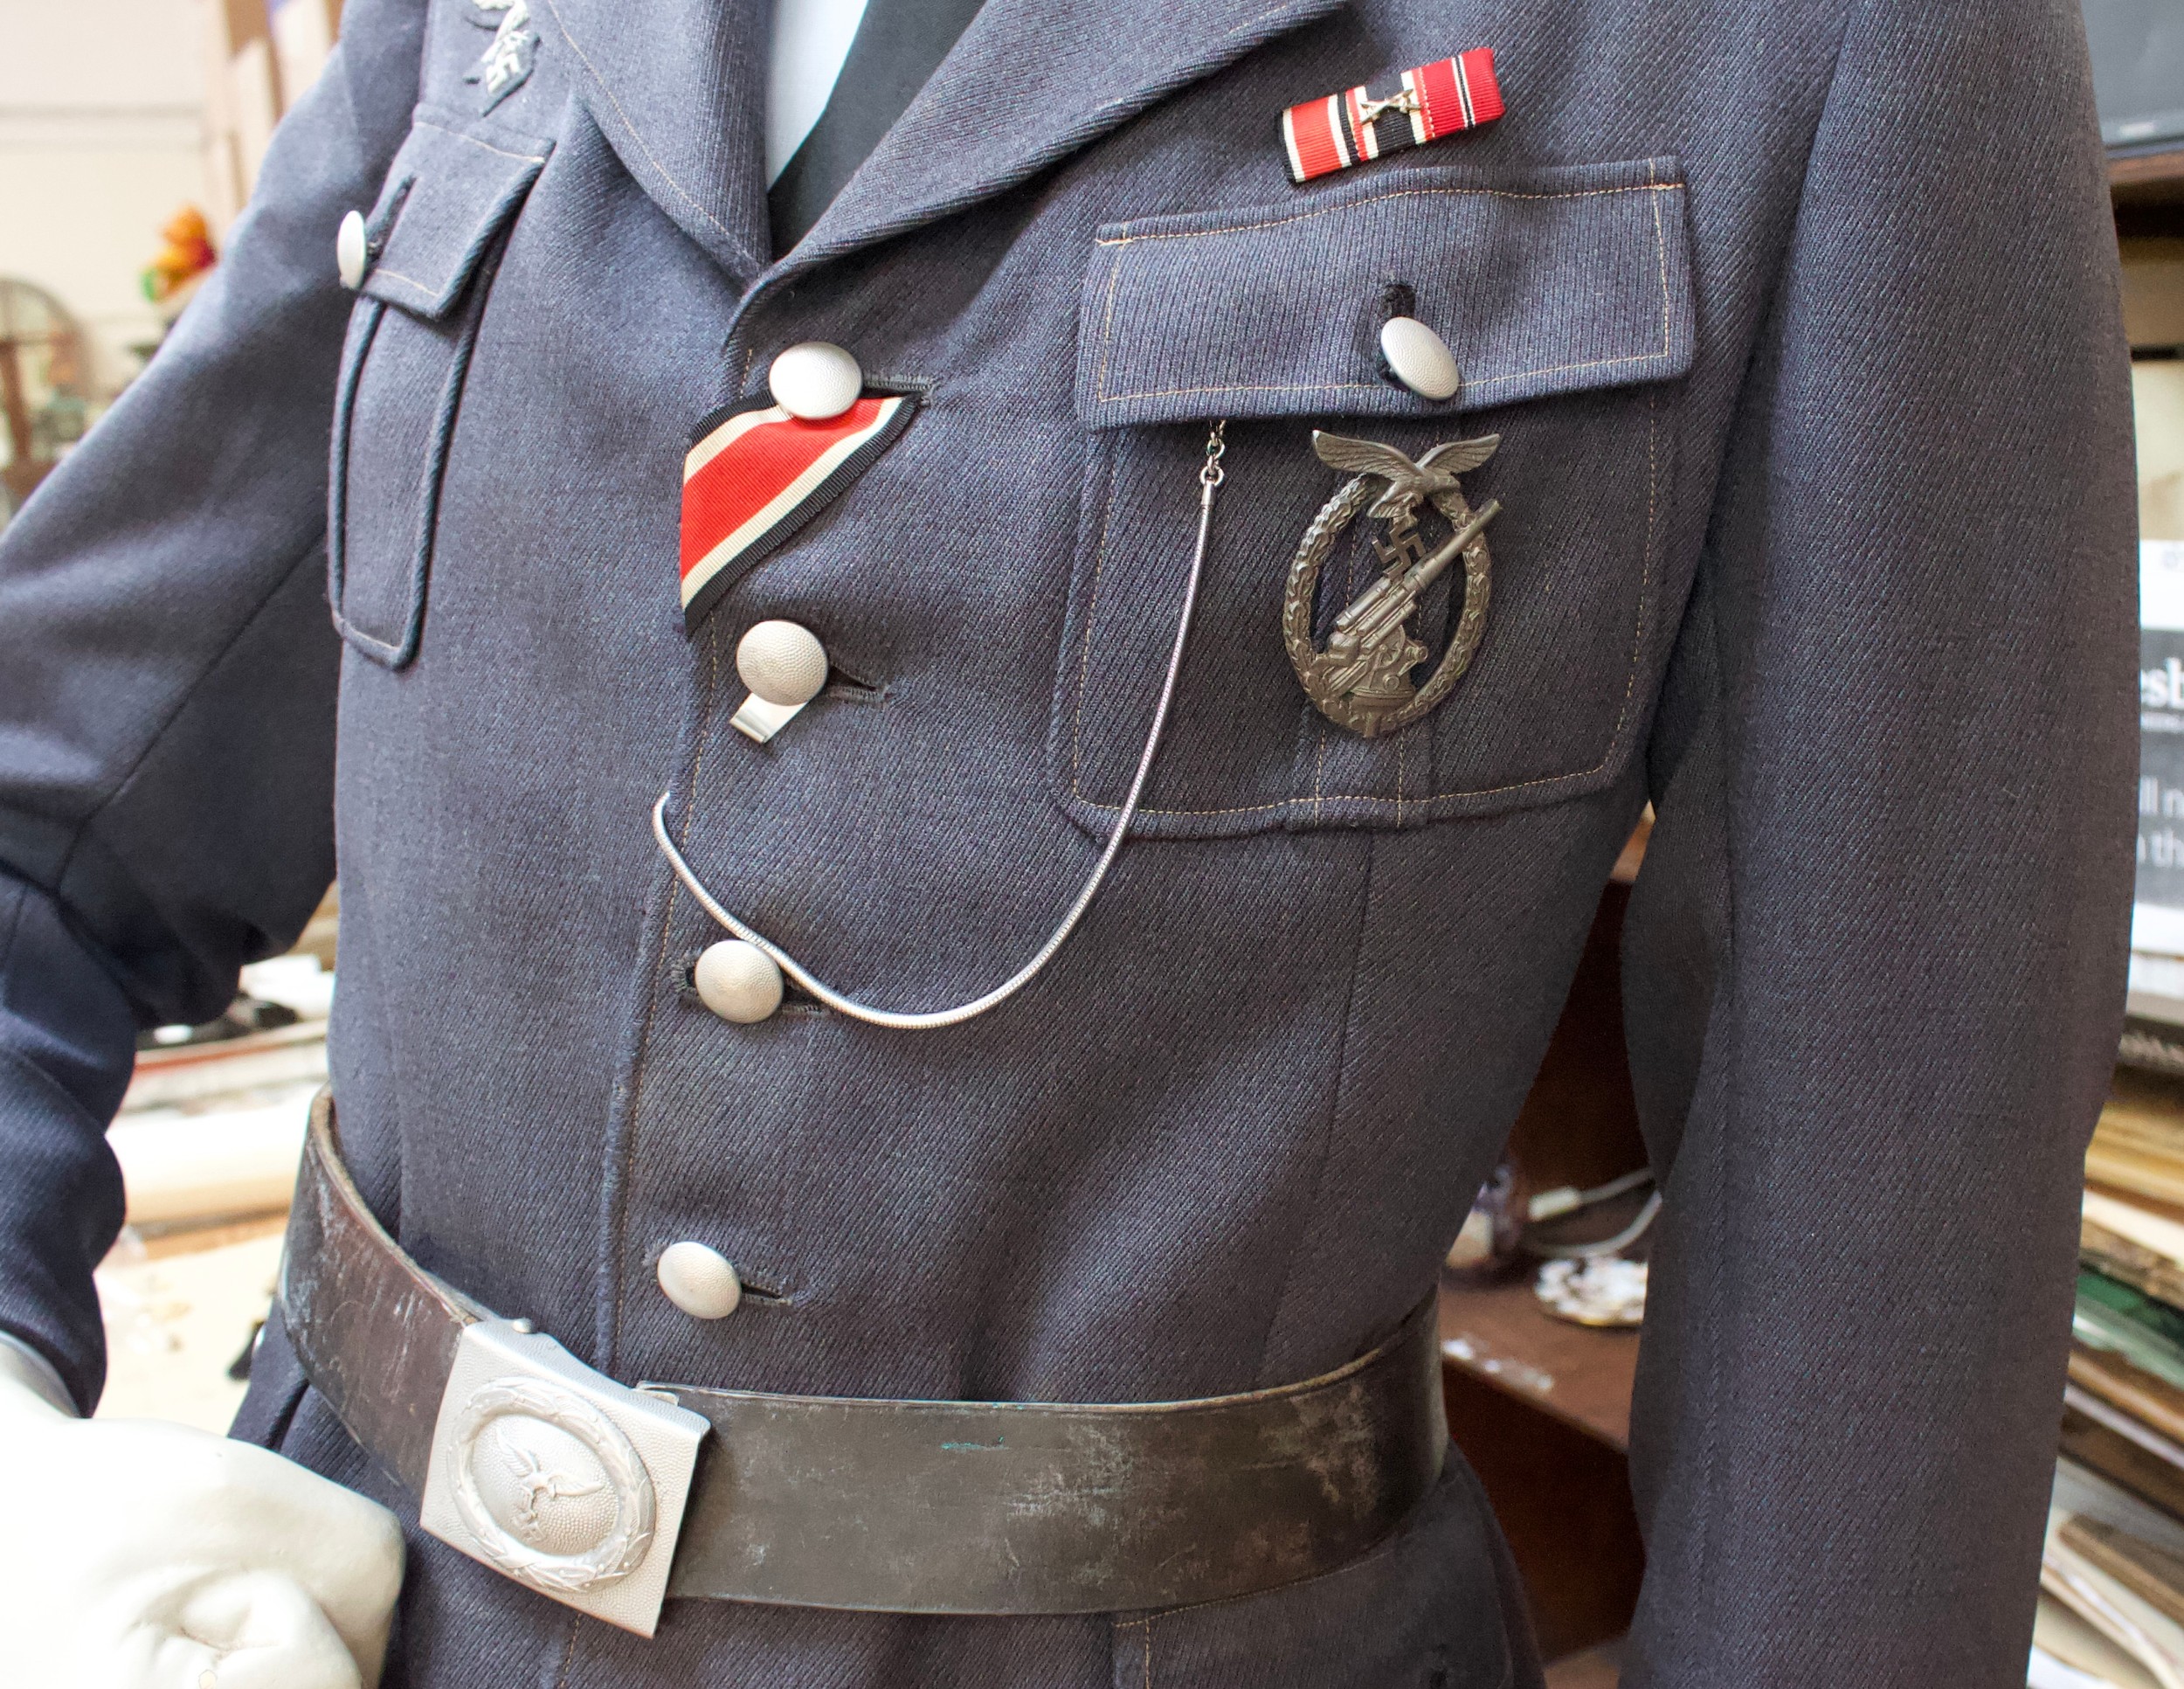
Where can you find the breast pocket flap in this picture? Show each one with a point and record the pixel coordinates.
(1553, 282)
(449, 192)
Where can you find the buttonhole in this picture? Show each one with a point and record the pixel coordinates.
(1396, 299)
(758, 1289)
(794, 1000)
(850, 689)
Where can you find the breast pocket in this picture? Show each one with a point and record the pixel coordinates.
(435, 236)
(1565, 296)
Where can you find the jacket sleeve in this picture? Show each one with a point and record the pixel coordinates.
(167, 677)
(1874, 962)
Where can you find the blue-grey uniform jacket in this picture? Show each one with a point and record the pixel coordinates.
(1799, 324)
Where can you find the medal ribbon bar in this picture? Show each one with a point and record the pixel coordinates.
(1371, 121)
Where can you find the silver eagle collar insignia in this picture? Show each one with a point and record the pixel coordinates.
(1361, 680)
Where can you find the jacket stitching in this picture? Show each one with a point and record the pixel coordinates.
(1144, 1626)
(568, 1654)
(1661, 248)
(1091, 620)
(1318, 799)
(461, 134)
(1107, 327)
(651, 158)
(1661, 252)
(1380, 387)
(1124, 239)
(424, 288)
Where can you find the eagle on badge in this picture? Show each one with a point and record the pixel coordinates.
(1409, 484)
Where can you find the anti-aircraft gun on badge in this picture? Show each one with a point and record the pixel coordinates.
(1362, 679)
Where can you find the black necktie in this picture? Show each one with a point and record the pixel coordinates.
(899, 43)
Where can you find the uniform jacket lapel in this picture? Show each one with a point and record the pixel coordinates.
(1029, 82)
(678, 85)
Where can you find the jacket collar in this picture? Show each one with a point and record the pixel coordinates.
(1029, 82)
(677, 85)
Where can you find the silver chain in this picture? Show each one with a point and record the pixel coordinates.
(1210, 477)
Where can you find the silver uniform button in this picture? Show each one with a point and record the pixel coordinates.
(815, 380)
(699, 1280)
(783, 662)
(351, 251)
(738, 982)
(1419, 357)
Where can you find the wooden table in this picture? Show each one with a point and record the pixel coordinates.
(1502, 1337)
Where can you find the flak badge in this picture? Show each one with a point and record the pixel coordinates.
(755, 475)
(1362, 678)
(1373, 119)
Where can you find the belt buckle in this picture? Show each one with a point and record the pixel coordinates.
(559, 1477)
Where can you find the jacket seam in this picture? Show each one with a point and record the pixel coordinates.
(1686, 1623)
(464, 135)
(1305, 213)
(174, 713)
(567, 1653)
(1334, 1102)
(383, 273)
(625, 1147)
(1091, 616)
(1469, 384)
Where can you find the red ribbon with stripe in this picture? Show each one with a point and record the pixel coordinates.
(1371, 121)
(755, 475)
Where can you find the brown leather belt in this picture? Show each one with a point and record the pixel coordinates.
(607, 1497)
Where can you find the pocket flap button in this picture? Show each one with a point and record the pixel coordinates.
(351, 251)
(738, 982)
(699, 1280)
(1419, 357)
(784, 663)
(815, 380)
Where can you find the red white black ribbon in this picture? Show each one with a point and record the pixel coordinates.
(1372, 120)
(755, 475)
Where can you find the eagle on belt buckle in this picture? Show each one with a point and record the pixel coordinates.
(1362, 679)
